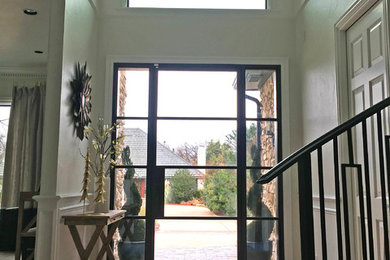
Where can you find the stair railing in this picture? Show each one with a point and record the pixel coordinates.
(302, 158)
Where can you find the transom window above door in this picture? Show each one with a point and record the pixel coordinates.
(200, 4)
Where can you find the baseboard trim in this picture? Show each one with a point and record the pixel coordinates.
(329, 200)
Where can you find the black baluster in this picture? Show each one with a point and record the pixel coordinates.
(361, 208)
(306, 207)
(350, 146)
(337, 191)
(383, 185)
(346, 215)
(322, 203)
(368, 189)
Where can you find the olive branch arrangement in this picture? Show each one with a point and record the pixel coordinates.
(104, 151)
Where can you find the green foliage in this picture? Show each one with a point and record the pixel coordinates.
(219, 193)
(260, 230)
(182, 186)
(138, 233)
(135, 196)
(231, 139)
(255, 193)
(127, 161)
(220, 154)
(198, 195)
(251, 132)
(135, 207)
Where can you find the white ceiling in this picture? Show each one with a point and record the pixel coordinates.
(21, 34)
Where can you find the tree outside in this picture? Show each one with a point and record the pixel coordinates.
(219, 194)
(134, 201)
(182, 186)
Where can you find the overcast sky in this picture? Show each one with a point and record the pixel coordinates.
(4, 117)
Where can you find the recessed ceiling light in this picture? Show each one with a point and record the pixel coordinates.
(30, 11)
(39, 52)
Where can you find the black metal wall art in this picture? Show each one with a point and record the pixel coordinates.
(81, 99)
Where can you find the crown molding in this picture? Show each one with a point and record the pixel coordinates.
(24, 70)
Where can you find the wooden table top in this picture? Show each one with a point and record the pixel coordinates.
(91, 218)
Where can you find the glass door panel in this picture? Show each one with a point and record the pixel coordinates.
(196, 239)
(262, 240)
(135, 142)
(133, 89)
(197, 94)
(134, 190)
(212, 143)
(200, 193)
(261, 143)
(261, 199)
(181, 165)
(132, 239)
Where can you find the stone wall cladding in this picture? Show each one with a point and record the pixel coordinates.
(268, 143)
(120, 198)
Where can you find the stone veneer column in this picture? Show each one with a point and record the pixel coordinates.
(120, 197)
(268, 152)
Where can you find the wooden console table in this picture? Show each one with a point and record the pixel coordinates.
(100, 220)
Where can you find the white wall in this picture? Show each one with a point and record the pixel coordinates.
(72, 38)
(80, 45)
(315, 44)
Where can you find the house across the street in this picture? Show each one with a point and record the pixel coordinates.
(136, 139)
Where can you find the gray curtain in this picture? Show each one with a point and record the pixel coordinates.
(22, 167)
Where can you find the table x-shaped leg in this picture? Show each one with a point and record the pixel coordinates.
(127, 223)
(85, 253)
(106, 242)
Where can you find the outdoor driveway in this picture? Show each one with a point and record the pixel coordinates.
(191, 239)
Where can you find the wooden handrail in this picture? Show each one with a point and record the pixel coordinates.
(286, 163)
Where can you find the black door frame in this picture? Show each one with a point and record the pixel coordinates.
(241, 167)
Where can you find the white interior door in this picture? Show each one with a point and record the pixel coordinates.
(368, 86)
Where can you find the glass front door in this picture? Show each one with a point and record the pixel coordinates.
(196, 138)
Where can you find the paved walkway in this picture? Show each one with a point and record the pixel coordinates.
(195, 239)
(205, 253)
